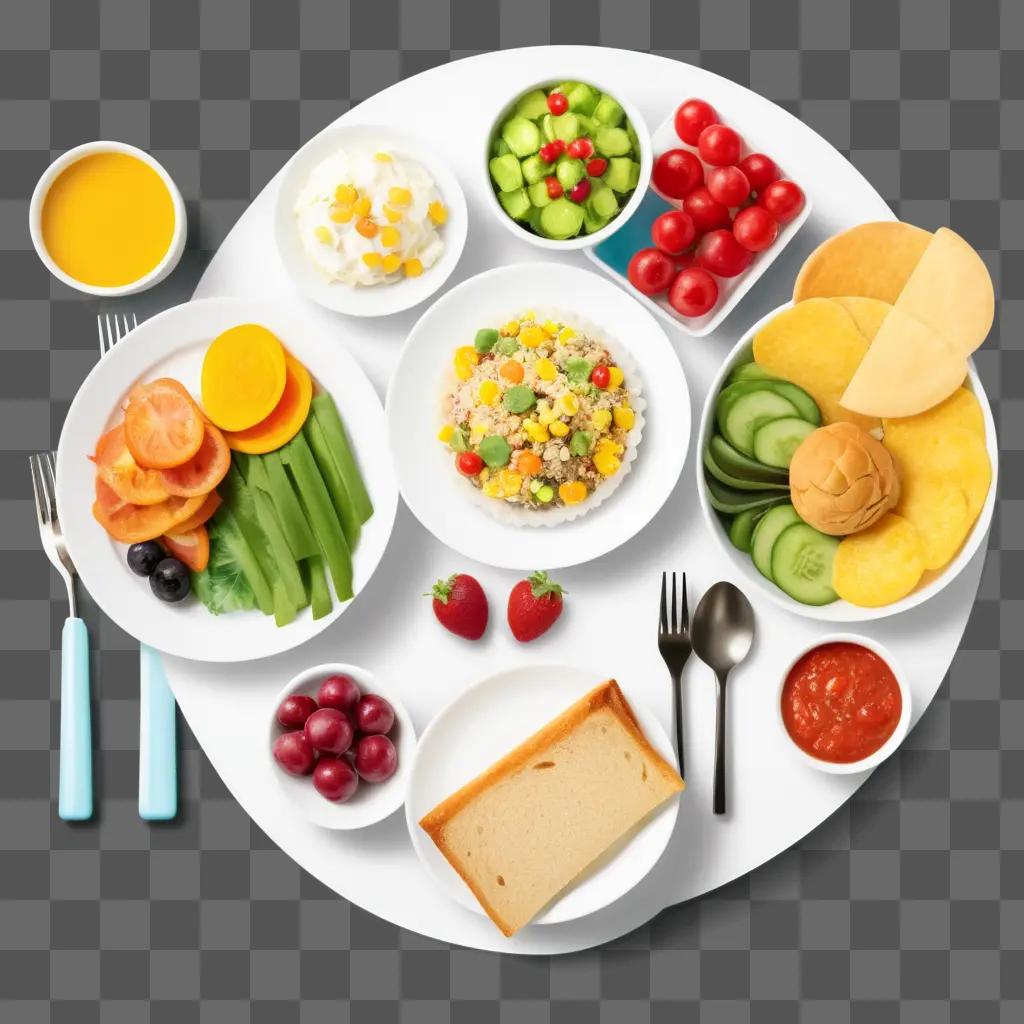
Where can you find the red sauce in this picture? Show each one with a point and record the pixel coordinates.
(841, 702)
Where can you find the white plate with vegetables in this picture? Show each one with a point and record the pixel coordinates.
(249, 551)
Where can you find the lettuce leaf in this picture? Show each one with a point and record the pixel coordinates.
(222, 585)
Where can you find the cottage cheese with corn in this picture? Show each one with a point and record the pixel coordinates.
(369, 217)
(548, 430)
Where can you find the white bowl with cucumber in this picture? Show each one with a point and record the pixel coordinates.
(597, 180)
(750, 426)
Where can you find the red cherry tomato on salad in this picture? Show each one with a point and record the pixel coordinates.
(755, 228)
(673, 232)
(468, 463)
(557, 103)
(552, 150)
(597, 167)
(650, 271)
(720, 253)
(783, 199)
(600, 376)
(728, 185)
(554, 187)
(677, 172)
(693, 292)
(706, 212)
(580, 190)
(692, 117)
(719, 145)
(580, 149)
(760, 170)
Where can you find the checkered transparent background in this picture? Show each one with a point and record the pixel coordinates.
(907, 905)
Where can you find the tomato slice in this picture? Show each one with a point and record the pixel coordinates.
(207, 467)
(123, 475)
(206, 510)
(163, 424)
(107, 498)
(189, 546)
(131, 524)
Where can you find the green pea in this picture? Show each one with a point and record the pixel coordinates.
(486, 338)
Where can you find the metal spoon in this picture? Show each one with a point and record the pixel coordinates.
(723, 630)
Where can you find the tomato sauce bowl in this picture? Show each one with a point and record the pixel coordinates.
(859, 720)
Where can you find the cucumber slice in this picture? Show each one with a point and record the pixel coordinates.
(736, 464)
(802, 564)
(608, 112)
(748, 371)
(562, 219)
(593, 222)
(547, 127)
(506, 172)
(582, 99)
(516, 204)
(521, 136)
(538, 193)
(566, 127)
(775, 442)
(612, 142)
(746, 413)
(731, 501)
(569, 171)
(534, 169)
(623, 174)
(767, 531)
(741, 529)
(739, 483)
(805, 406)
(532, 105)
(602, 201)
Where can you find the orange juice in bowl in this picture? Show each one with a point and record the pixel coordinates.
(107, 219)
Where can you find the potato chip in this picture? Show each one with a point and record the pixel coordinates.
(874, 260)
(880, 565)
(816, 345)
(961, 409)
(867, 314)
(937, 506)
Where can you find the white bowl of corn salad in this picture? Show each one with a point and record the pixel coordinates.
(368, 220)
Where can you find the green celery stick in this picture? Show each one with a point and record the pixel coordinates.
(287, 567)
(327, 415)
(267, 473)
(343, 503)
(319, 592)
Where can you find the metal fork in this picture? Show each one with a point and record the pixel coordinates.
(674, 646)
(158, 754)
(74, 802)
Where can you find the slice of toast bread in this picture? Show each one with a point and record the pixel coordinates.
(528, 826)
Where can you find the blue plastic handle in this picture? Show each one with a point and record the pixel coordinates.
(74, 802)
(158, 744)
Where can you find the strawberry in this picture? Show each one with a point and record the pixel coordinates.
(460, 605)
(533, 606)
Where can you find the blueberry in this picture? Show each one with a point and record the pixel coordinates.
(143, 558)
(170, 580)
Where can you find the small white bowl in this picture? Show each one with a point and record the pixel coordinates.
(35, 217)
(580, 241)
(372, 801)
(898, 734)
(381, 299)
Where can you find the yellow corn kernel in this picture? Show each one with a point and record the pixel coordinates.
(605, 463)
(372, 259)
(390, 238)
(437, 212)
(392, 216)
(511, 329)
(413, 268)
(362, 206)
(531, 337)
(341, 214)
(615, 377)
(323, 234)
(572, 493)
(545, 414)
(345, 195)
(392, 262)
(469, 353)
(624, 417)
(463, 367)
(492, 488)
(550, 328)
(445, 433)
(488, 392)
(566, 334)
(601, 419)
(511, 482)
(559, 429)
(399, 196)
(382, 158)
(569, 404)
(536, 432)
(546, 369)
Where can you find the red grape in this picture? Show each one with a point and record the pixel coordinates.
(706, 212)
(677, 172)
(760, 170)
(693, 292)
(374, 715)
(719, 145)
(294, 753)
(376, 758)
(755, 228)
(728, 185)
(692, 117)
(341, 692)
(650, 271)
(329, 730)
(294, 710)
(720, 253)
(673, 232)
(335, 779)
(783, 199)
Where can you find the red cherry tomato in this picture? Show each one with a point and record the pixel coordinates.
(580, 190)
(554, 187)
(557, 103)
(755, 228)
(783, 199)
(720, 253)
(760, 170)
(706, 211)
(693, 292)
(597, 167)
(728, 185)
(600, 376)
(677, 172)
(719, 145)
(650, 271)
(673, 232)
(692, 117)
(580, 149)
(468, 463)
(552, 150)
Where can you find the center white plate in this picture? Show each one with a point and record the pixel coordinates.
(488, 720)
(173, 344)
